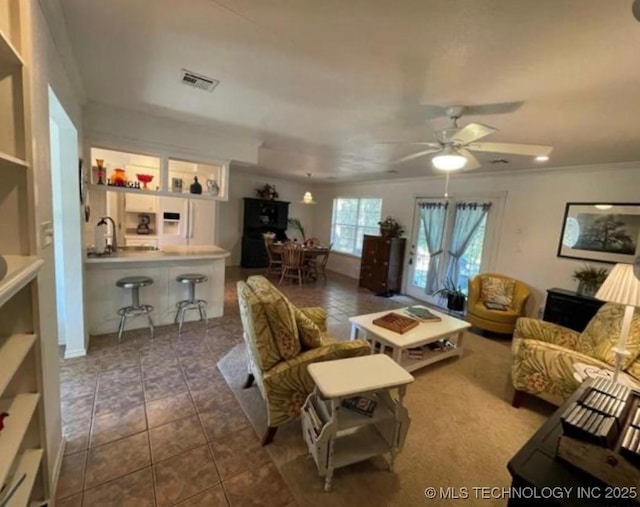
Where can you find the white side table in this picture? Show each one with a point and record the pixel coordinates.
(344, 436)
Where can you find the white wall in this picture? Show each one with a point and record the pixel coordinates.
(532, 221)
(47, 69)
(231, 212)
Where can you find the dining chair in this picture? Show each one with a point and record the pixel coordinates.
(317, 262)
(275, 258)
(292, 262)
(321, 264)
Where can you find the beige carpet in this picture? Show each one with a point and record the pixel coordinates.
(463, 432)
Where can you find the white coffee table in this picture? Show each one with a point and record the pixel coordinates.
(342, 436)
(418, 339)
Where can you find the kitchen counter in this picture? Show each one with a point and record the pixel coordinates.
(103, 297)
(158, 256)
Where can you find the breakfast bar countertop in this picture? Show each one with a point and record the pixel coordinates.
(188, 253)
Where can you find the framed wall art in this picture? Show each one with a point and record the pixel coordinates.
(601, 232)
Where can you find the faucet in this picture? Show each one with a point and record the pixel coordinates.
(114, 237)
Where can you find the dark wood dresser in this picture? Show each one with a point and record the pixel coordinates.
(381, 264)
(570, 309)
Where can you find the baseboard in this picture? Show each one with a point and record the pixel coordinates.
(57, 467)
(68, 354)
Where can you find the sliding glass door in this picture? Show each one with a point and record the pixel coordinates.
(450, 243)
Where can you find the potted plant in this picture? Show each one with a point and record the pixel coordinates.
(390, 227)
(589, 279)
(455, 296)
(297, 225)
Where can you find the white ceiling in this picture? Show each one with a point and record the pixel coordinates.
(317, 83)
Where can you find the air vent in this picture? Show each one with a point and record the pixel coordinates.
(198, 80)
(499, 161)
(392, 171)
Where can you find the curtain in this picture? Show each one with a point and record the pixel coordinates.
(468, 217)
(432, 218)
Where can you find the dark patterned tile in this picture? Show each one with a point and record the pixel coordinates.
(121, 375)
(125, 389)
(133, 490)
(118, 402)
(212, 398)
(163, 387)
(115, 425)
(184, 476)
(72, 501)
(77, 408)
(176, 437)
(223, 420)
(76, 435)
(238, 451)
(213, 497)
(117, 458)
(251, 487)
(169, 409)
(162, 370)
(72, 472)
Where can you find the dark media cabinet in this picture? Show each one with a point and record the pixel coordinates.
(261, 216)
(570, 309)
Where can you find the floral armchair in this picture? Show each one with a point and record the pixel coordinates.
(544, 353)
(282, 341)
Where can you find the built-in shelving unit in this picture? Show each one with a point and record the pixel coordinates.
(22, 440)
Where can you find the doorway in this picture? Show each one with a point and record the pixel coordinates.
(463, 243)
(67, 229)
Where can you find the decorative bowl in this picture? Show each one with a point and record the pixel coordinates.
(144, 179)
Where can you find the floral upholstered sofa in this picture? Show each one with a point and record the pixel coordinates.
(544, 353)
(282, 341)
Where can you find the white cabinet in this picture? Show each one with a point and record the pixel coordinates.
(140, 203)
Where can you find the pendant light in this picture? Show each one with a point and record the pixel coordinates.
(308, 198)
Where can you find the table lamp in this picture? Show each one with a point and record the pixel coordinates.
(622, 287)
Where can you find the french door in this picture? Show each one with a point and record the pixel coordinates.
(432, 266)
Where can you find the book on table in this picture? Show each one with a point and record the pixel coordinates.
(495, 306)
(360, 404)
(422, 313)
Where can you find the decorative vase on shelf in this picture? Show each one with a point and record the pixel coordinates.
(212, 187)
(118, 178)
(195, 187)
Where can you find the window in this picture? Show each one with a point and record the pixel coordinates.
(352, 219)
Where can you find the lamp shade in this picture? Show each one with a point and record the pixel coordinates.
(307, 198)
(621, 286)
(449, 160)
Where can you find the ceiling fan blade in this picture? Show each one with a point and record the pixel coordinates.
(419, 143)
(472, 132)
(417, 155)
(472, 162)
(533, 150)
(496, 108)
(635, 8)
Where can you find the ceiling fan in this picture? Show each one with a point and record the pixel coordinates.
(453, 145)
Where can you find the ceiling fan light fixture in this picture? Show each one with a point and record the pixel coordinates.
(449, 160)
(542, 158)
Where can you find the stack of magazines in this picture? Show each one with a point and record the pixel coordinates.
(422, 313)
(314, 418)
(360, 404)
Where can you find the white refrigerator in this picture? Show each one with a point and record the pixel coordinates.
(185, 221)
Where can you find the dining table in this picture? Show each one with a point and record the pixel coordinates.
(310, 253)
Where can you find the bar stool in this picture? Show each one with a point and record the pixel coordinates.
(134, 283)
(192, 303)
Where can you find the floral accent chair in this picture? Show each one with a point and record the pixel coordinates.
(544, 353)
(500, 289)
(282, 341)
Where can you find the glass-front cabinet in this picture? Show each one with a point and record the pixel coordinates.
(137, 173)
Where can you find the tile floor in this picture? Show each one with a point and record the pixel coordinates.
(153, 422)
